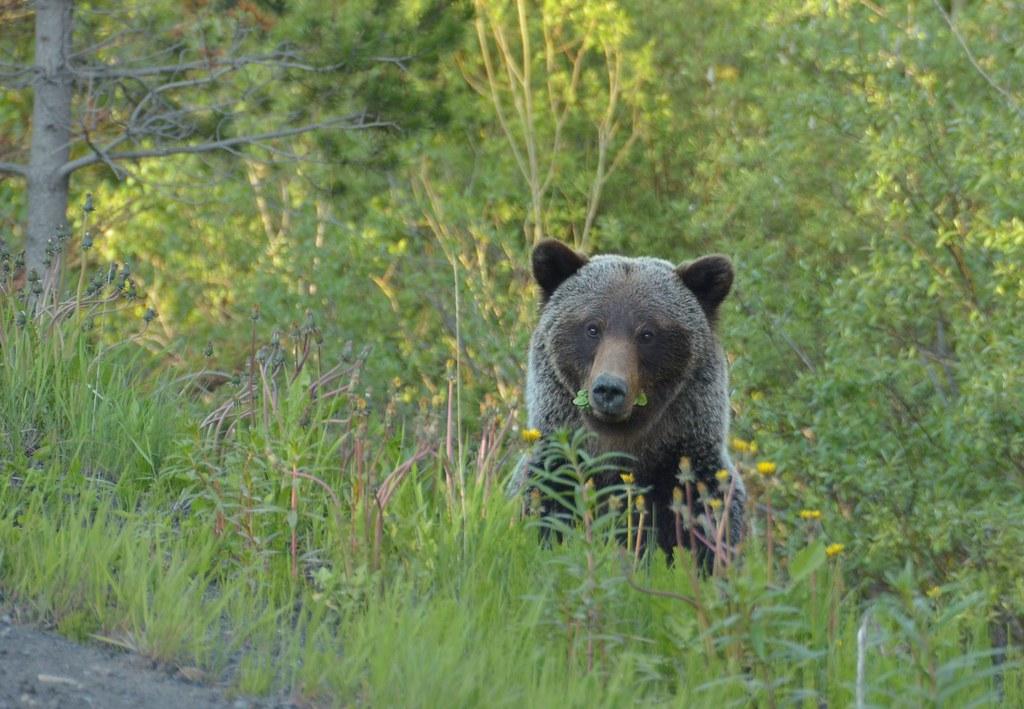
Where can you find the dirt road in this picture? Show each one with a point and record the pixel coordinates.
(43, 669)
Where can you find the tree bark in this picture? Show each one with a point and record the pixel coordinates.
(51, 128)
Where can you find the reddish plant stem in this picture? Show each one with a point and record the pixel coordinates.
(295, 512)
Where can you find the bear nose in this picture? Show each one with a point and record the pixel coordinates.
(608, 394)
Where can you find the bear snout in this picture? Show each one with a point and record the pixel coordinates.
(613, 379)
(608, 396)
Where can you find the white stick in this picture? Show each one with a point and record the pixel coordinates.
(862, 648)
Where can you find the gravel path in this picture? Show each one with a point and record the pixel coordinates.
(43, 669)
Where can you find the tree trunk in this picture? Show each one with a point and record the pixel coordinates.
(51, 128)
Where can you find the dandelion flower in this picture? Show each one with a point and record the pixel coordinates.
(628, 478)
(531, 435)
(722, 475)
(641, 503)
(740, 446)
(835, 549)
(766, 468)
(714, 503)
(677, 495)
(812, 514)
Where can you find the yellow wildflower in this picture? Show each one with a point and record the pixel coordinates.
(714, 503)
(628, 478)
(766, 468)
(756, 395)
(752, 447)
(934, 592)
(641, 503)
(726, 72)
(811, 514)
(531, 435)
(677, 495)
(835, 549)
(722, 475)
(740, 446)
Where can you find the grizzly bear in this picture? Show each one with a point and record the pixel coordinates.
(626, 348)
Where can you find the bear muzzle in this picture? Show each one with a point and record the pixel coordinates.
(609, 397)
(614, 380)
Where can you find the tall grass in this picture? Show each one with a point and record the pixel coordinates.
(282, 535)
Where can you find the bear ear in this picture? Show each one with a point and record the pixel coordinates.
(553, 262)
(710, 279)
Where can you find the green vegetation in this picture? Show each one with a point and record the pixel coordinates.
(270, 444)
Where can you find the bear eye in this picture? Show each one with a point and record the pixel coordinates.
(593, 331)
(646, 336)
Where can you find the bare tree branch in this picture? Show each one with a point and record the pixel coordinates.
(16, 76)
(108, 41)
(284, 60)
(349, 123)
(14, 168)
(401, 62)
(119, 173)
(171, 86)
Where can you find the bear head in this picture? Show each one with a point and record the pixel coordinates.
(629, 332)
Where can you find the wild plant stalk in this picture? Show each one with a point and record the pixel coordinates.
(629, 515)
(386, 491)
(698, 605)
(293, 518)
(458, 386)
(640, 527)
(488, 463)
(358, 496)
(723, 546)
(832, 634)
(253, 317)
(591, 581)
(449, 476)
(87, 209)
(813, 582)
(834, 599)
(769, 538)
(691, 523)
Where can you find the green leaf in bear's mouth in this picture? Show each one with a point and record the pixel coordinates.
(641, 399)
(582, 399)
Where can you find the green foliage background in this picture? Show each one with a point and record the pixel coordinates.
(862, 164)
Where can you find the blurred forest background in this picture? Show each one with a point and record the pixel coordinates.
(861, 162)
